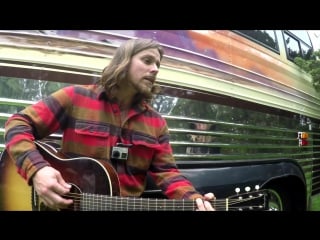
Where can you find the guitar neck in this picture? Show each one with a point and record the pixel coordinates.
(93, 202)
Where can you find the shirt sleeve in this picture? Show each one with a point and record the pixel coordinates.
(34, 122)
(166, 174)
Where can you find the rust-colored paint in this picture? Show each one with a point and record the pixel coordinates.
(243, 53)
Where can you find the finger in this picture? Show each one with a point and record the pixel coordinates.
(209, 196)
(47, 201)
(208, 206)
(62, 199)
(200, 204)
(55, 201)
(62, 182)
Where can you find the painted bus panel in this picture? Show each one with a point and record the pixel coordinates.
(240, 113)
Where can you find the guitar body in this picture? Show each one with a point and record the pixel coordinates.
(84, 174)
(15, 194)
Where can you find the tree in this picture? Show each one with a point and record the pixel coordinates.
(311, 66)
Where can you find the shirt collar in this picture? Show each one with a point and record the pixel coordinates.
(102, 95)
(142, 106)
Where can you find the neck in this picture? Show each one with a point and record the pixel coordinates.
(124, 106)
(124, 100)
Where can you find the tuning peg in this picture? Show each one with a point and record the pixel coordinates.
(257, 187)
(247, 189)
(237, 190)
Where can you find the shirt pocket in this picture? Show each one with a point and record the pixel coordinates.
(92, 139)
(95, 135)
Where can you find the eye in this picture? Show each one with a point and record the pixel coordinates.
(147, 61)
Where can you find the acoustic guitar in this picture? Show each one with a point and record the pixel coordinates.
(95, 187)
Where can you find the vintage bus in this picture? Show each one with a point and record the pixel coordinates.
(240, 112)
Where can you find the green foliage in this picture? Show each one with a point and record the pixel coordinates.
(311, 66)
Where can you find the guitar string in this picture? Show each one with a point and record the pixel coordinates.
(102, 202)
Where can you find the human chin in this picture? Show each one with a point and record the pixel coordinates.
(149, 86)
(145, 89)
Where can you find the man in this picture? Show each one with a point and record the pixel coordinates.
(99, 119)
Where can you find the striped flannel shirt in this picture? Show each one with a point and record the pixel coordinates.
(91, 126)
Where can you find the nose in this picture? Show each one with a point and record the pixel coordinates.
(154, 68)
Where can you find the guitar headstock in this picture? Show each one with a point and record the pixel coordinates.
(256, 200)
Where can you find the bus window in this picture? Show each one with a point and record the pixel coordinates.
(266, 38)
(297, 44)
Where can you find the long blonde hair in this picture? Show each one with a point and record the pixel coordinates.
(116, 71)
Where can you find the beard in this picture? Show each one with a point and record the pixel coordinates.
(144, 89)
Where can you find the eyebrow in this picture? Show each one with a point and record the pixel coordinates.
(151, 56)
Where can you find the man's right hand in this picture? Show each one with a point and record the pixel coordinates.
(51, 187)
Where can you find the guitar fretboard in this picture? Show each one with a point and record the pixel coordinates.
(93, 202)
